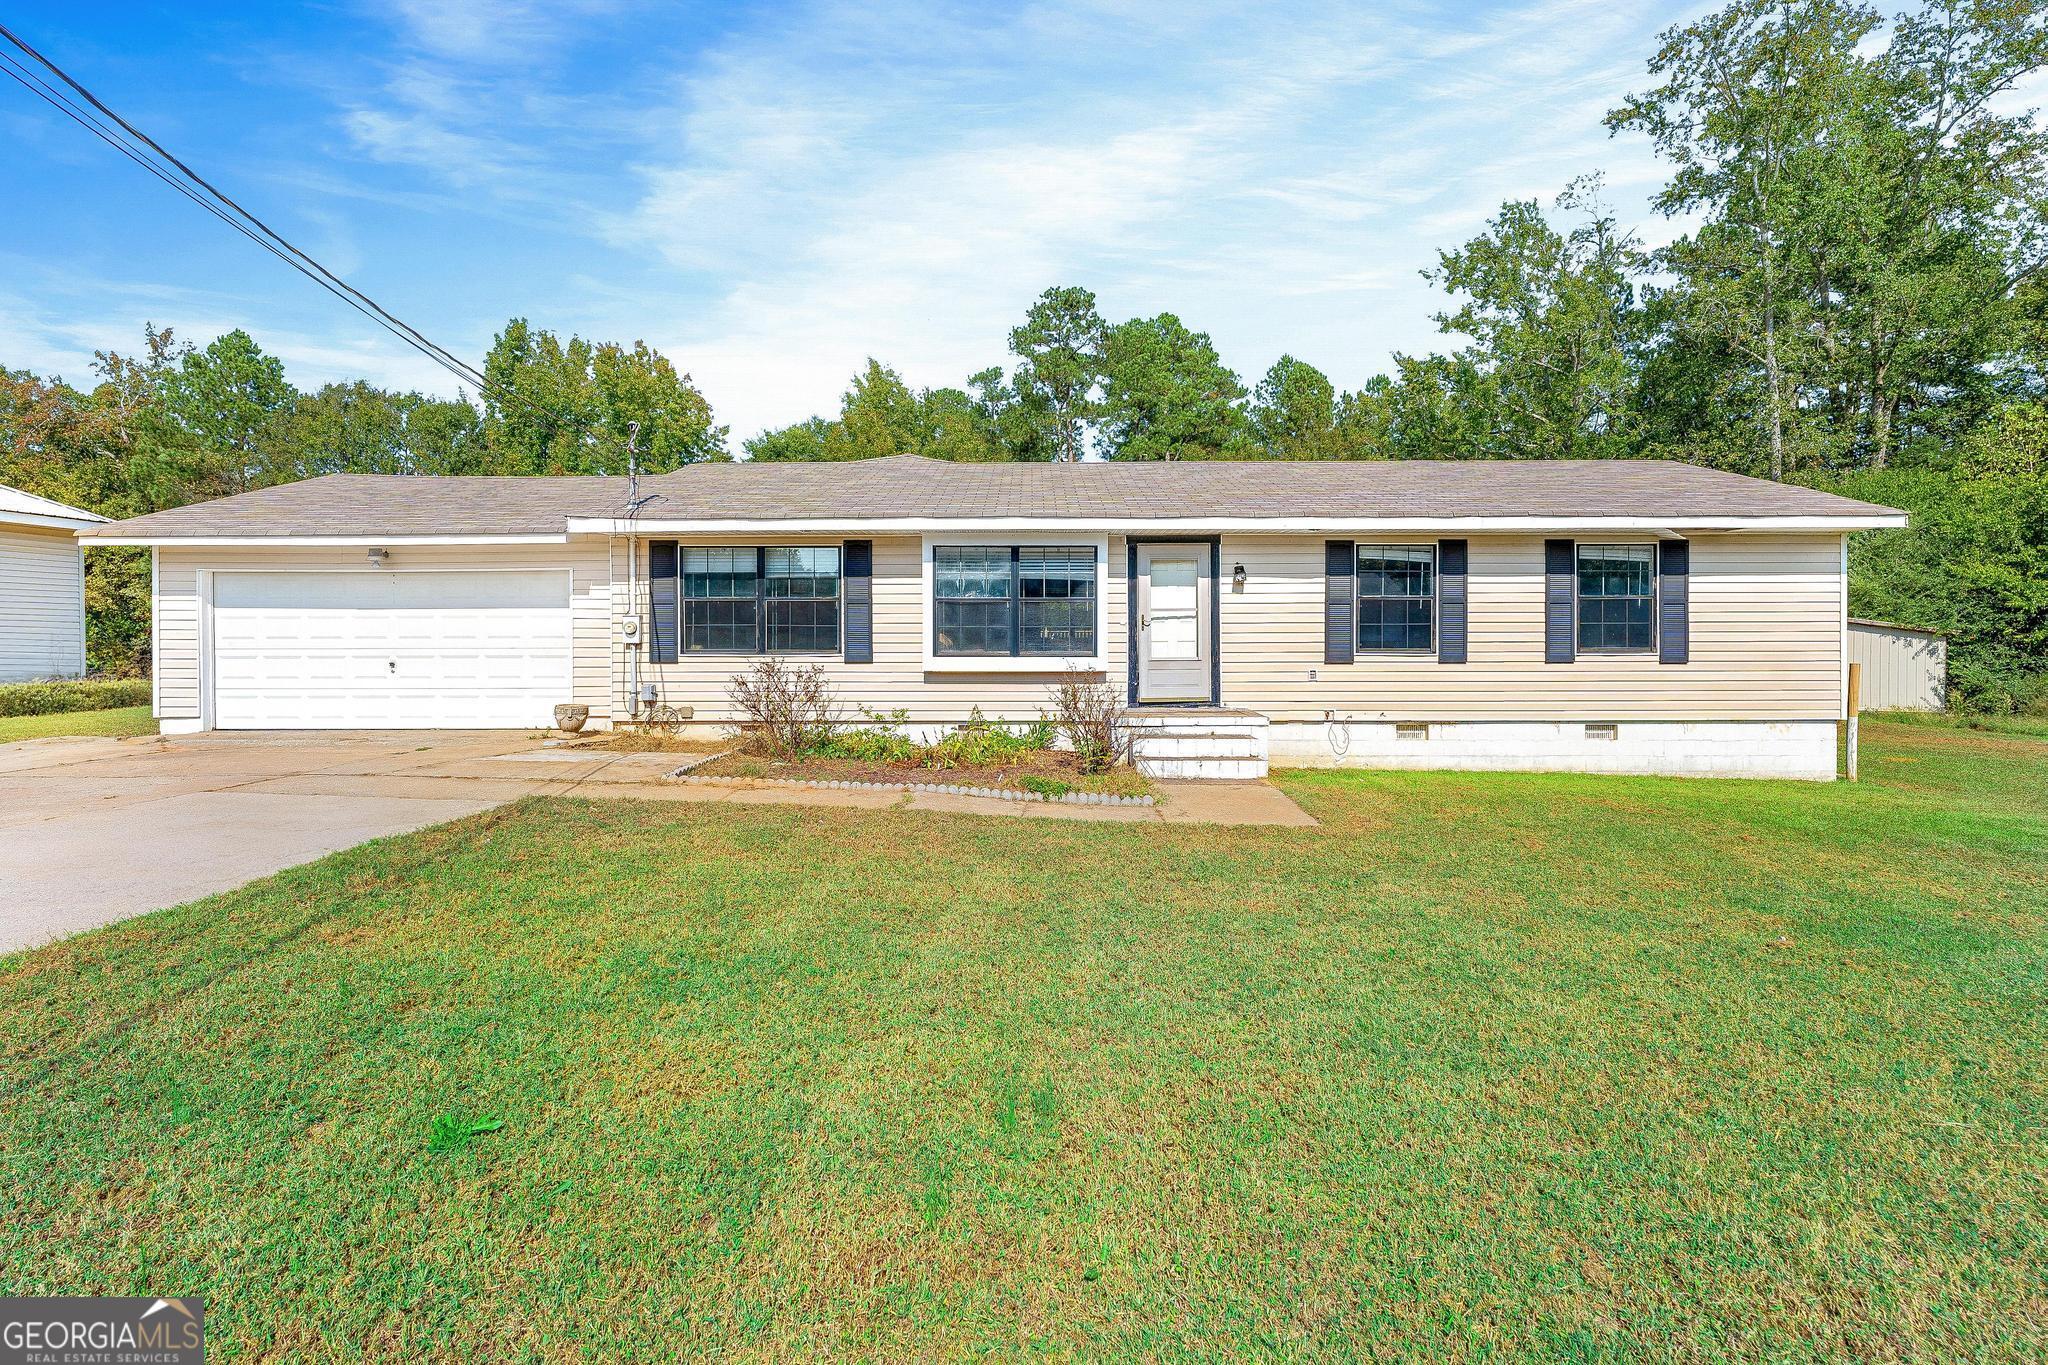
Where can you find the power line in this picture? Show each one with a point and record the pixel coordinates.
(36, 86)
(239, 218)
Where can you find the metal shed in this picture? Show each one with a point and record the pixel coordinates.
(1903, 669)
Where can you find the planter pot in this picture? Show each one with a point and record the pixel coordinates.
(569, 717)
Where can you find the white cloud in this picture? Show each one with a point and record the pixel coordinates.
(836, 195)
(493, 30)
(821, 182)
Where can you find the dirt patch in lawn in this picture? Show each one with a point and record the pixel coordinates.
(651, 742)
(1046, 771)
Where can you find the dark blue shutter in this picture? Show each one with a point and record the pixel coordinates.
(1560, 597)
(665, 632)
(857, 563)
(1674, 611)
(1450, 601)
(1340, 600)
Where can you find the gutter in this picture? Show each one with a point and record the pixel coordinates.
(294, 541)
(1135, 526)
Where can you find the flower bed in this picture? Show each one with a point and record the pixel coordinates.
(1040, 775)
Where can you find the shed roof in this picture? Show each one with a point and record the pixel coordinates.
(28, 509)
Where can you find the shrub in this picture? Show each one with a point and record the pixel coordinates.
(61, 696)
(1973, 566)
(788, 710)
(981, 744)
(879, 740)
(1084, 711)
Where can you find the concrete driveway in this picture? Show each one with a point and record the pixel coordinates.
(96, 830)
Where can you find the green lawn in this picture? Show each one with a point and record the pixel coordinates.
(1509, 1066)
(124, 720)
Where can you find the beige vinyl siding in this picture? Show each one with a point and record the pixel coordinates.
(896, 678)
(178, 604)
(1766, 635)
(42, 607)
(1766, 641)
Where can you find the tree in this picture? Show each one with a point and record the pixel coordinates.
(568, 408)
(805, 440)
(1747, 97)
(224, 398)
(362, 429)
(1167, 394)
(1060, 346)
(1012, 431)
(1555, 326)
(880, 415)
(954, 425)
(1293, 413)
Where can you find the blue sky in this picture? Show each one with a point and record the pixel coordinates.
(772, 193)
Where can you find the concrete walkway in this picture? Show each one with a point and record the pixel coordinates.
(97, 830)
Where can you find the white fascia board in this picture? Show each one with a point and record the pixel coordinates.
(12, 518)
(814, 526)
(317, 542)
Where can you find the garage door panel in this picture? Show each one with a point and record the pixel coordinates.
(385, 650)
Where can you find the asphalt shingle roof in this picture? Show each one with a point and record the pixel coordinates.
(912, 486)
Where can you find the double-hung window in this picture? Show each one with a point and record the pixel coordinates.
(751, 599)
(1014, 600)
(1397, 598)
(802, 593)
(1617, 598)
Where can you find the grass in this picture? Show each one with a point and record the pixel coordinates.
(121, 721)
(1508, 1066)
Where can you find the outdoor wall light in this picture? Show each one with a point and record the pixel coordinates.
(1237, 578)
(377, 558)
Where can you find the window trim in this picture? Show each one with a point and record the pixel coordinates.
(935, 662)
(761, 601)
(1436, 559)
(1580, 650)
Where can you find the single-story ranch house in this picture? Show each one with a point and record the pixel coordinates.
(42, 587)
(1613, 615)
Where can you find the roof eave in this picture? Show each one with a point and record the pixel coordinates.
(49, 521)
(114, 536)
(1857, 521)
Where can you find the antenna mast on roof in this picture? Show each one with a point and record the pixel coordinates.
(632, 467)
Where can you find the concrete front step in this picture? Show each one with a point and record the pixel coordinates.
(1193, 769)
(1192, 720)
(1180, 744)
(1199, 744)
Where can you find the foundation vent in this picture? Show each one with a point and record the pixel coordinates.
(1601, 730)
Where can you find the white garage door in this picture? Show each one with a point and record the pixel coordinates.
(389, 649)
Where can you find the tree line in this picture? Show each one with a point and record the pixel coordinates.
(1856, 300)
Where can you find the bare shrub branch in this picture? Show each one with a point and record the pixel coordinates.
(789, 710)
(1084, 711)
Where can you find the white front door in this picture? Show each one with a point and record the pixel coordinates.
(1174, 645)
(390, 649)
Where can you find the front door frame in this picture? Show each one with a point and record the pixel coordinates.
(1215, 544)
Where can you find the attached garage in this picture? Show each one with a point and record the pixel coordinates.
(389, 649)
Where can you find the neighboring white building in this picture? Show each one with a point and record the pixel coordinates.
(42, 587)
